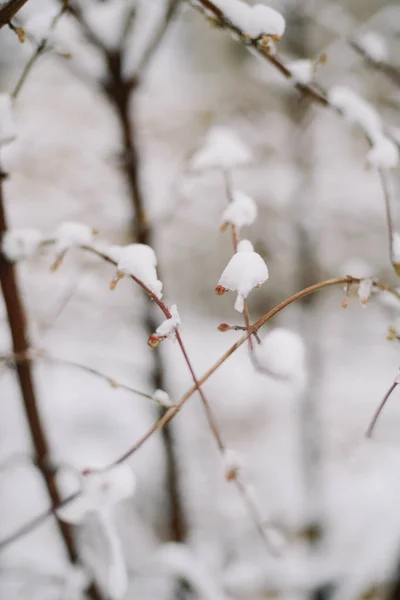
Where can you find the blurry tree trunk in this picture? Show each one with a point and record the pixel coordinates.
(20, 345)
(9, 10)
(307, 274)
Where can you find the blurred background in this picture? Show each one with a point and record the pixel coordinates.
(86, 149)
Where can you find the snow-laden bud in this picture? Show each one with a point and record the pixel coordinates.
(364, 290)
(241, 211)
(162, 398)
(138, 260)
(245, 271)
(222, 149)
(253, 21)
(70, 234)
(384, 154)
(233, 463)
(166, 329)
(7, 123)
(18, 244)
(282, 354)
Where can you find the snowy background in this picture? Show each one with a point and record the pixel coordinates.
(321, 214)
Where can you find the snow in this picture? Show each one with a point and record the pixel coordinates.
(18, 244)
(396, 247)
(107, 20)
(40, 24)
(233, 462)
(167, 327)
(7, 123)
(384, 154)
(162, 398)
(222, 149)
(364, 290)
(374, 45)
(282, 354)
(245, 271)
(241, 211)
(71, 233)
(140, 261)
(356, 110)
(302, 70)
(253, 21)
(100, 491)
(117, 575)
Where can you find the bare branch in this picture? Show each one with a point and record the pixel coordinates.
(380, 408)
(9, 10)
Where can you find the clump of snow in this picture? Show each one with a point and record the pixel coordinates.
(233, 463)
(222, 149)
(374, 45)
(101, 490)
(167, 328)
(71, 233)
(302, 70)
(282, 354)
(241, 211)
(161, 397)
(7, 123)
(245, 271)
(138, 260)
(253, 21)
(384, 154)
(364, 290)
(18, 244)
(356, 110)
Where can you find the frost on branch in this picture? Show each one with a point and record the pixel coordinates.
(7, 123)
(18, 244)
(245, 271)
(374, 46)
(222, 149)
(384, 154)
(253, 21)
(241, 211)
(233, 462)
(166, 329)
(162, 398)
(282, 354)
(302, 70)
(138, 260)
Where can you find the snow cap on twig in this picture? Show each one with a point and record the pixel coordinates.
(138, 260)
(166, 329)
(18, 244)
(222, 149)
(245, 271)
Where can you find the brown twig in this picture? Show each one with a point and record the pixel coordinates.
(9, 10)
(170, 413)
(20, 344)
(380, 408)
(42, 46)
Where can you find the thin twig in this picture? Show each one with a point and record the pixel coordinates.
(9, 10)
(380, 408)
(38, 52)
(170, 413)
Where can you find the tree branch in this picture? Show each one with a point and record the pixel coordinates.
(9, 10)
